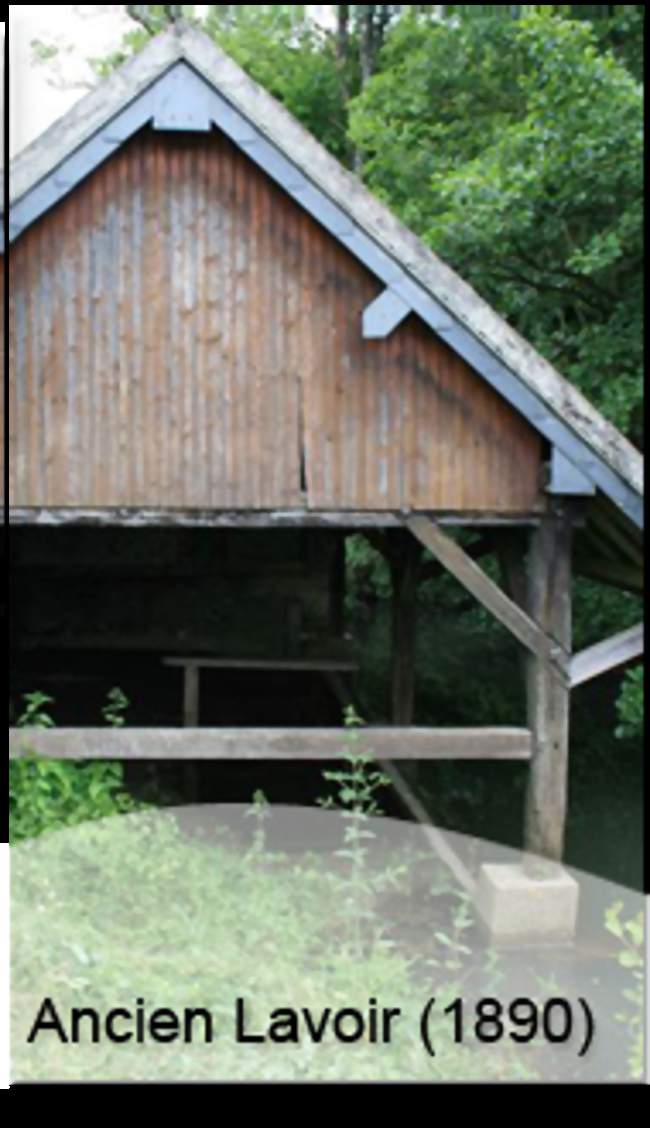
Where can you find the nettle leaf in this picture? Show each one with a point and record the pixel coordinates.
(612, 919)
(630, 959)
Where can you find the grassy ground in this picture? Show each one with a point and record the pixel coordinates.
(131, 907)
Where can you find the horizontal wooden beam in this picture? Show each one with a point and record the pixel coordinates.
(280, 665)
(54, 516)
(565, 479)
(269, 743)
(606, 655)
(474, 579)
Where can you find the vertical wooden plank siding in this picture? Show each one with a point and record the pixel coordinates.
(183, 335)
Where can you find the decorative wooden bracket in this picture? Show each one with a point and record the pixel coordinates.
(606, 655)
(383, 315)
(474, 579)
(566, 479)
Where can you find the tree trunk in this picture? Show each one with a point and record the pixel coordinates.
(366, 41)
(342, 34)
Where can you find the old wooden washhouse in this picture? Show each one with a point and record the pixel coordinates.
(225, 355)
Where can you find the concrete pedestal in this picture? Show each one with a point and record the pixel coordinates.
(517, 907)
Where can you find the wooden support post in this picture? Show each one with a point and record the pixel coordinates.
(511, 553)
(337, 588)
(548, 694)
(191, 720)
(191, 695)
(404, 558)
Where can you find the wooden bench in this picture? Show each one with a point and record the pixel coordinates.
(331, 668)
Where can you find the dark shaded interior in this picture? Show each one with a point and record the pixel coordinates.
(94, 608)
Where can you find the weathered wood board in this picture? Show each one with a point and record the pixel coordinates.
(184, 334)
(270, 743)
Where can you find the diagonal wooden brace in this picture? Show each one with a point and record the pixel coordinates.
(474, 579)
(606, 655)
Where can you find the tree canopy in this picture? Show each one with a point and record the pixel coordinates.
(515, 149)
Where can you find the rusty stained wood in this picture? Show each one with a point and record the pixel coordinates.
(524, 627)
(606, 655)
(269, 743)
(185, 336)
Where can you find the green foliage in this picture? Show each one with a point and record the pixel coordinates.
(34, 714)
(116, 706)
(450, 943)
(367, 573)
(43, 52)
(440, 95)
(630, 705)
(621, 28)
(630, 934)
(260, 811)
(599, 611)
(47, 795)
(357, 781)
(515, 149)
(283, 50)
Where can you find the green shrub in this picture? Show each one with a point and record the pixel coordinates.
(629, 705)
(47, 795)
(630, 935)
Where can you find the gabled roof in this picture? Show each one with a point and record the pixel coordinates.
(182, 81)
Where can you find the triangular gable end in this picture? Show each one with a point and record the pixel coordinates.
(180, 99)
